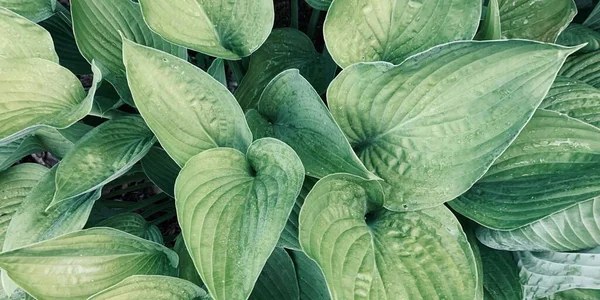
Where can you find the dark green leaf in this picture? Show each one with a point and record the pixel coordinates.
(161, 169)
(277, 279)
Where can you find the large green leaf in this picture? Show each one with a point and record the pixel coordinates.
(34, 10)
(80, 264)
(161, 169)
(186, 267)
(223, 195)
(188, 110)
(585, 68)
(545, 273)
(286, 48)
(310, 278)
(574, 98)
(432, 126)
(289, 235)
(392, 30)
(131, 223)
(577, 34)
(551, 166)
(290, 110)
(500, 275)
(221, 28)
(277, 279)
(368, 252)
(103, 154)
(61, 30)
(22, 38)
(153, 287)
(536, 20)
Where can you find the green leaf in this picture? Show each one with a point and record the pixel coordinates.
(310, 278)
(277, 279)
(15, 184)
(535, 20)
(22, 38)
(289, 236)
(223, 195)
(593, 20)
(220, 28)
(131, 223)
(319, 4)
(290, 110)
(188, 110)
(15, 150)
(80, 264)
(575, 99)
(366, 251)
(432, 126)
(550, 167)
(47, 95)
(545, 273)
(153, 287)
(576, 294)
(585, 68)
(217, 71)
(102, 155)
(186, 267)
(61, 29)
(491, 28)
(577, 34)
(392, 30)
(161, 169)
(472, 240)
(286, 48)
(500, 275)
(34, 10)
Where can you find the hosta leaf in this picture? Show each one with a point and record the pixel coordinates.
(593, 20)
(310, 278)
(153, 287)
(46, 95)
(577, 34)
(289, 236)
(15, 150)
(500, 275)
(392, 30)
(545, 273)
(188, 110)
(131, 223)
(217, 71)
(433, 125)
(286, 48)
(319, 4)
(82, 263)
(161, 169)
(472, 240)
(366, 251)
(61, 30)
(33, 40)
(576, 294)
(34, 10)
(491, 28)
(574, 98)
(223, 195)
(221, 28)
(535, 20)
(290, 110)
(585, 68)
(103, 154)
(550, 167)
(186, 267)
(277, 279)
(15, 184)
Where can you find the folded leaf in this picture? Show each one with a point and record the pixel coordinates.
(34, 10)
(103, 154)
(61, 29)
(392, 30)
(161, 169)
(131, 223)
(593, 20)
(223, 195)
(310, 278)
(574, 98)
(221, 28)
(151, 287)
(188, 110)
(217, 71)
(550, 167)
(80, 264)
(291, 111)
(12, 152)
(366, 251)
(277, 279)
(585, 68)
(289, 236)
(500, 275)
(22, 38)
(491, 28)
(577, 34)
(432, 126)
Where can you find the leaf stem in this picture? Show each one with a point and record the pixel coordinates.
(294, 16)
(237, 70)
(157, 208)
(166, 217)
(312, 24)
(148, 201)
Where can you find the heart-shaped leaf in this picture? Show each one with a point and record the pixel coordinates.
(34, 10)
(392, 30)
(551, 166)
(223, 195)
(491, 28)
(577, 34)
(286, 48)
(80, 264)
(291, 111)
(366, 251)
(433, 125)
(161, 169)
(188, 110)
(277, 279)
(310, 278)
(153, 287)
(61, 29)
(221, 28)
(585, 68)
(574, 98)
(103, 154)
(500, 275)
(131, 223)
(33, 40)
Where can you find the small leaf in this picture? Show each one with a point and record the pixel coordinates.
(291, 111)
(500, 275)
(61, 29)
(491, 28)
(103, 154)
(161, 169)
(80, 264)
(224, 29)
(392, 30)
(277, 279)
(310, 278)
(132, 223)
(186, 267)
(432, 126)
(153, 287)
(188, 110)
(217, 71)
(585, 68)
(319, 4)
(575, 99)
(223, 195)
(34, 10)
(33, 40)
(289, 236)
(577, 34)
(535, 20)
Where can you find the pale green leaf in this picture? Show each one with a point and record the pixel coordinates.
(500, 275)
(61, 29)
(22, 38)
(540, 20)
(161, 169)
(188, 110)
(34, 10)
(102, 155)
(432, 126)
(575, 99)
(577, 34)
(286, 48)
(153, 287)
(134, 224)
(319, 4)
(392, 30)
(217, 71)
(80, 264)
(277, 279)
(585, 68)
(223, 195)
(186, 267)
(221, 28)
(289, 236)
(290, 110)
(550, 167)
(310, 278)
(576, 294)
(491, 28)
